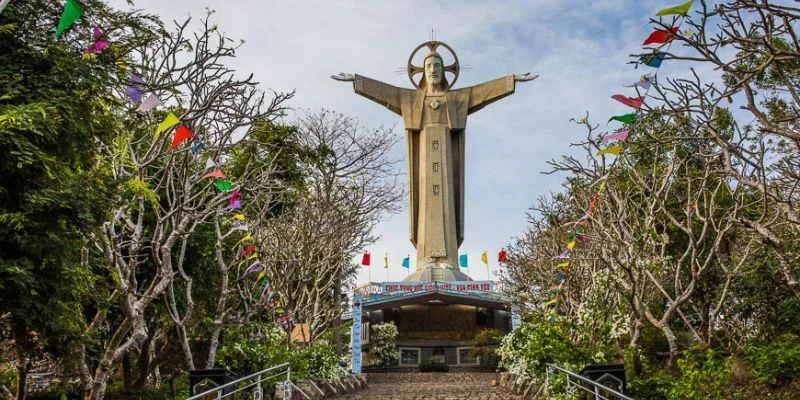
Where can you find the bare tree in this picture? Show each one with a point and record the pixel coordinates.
(164, 195)
(344, 195)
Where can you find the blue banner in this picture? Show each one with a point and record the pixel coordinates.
(356, 336)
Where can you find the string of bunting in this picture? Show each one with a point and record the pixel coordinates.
(136, 91)
(653, 59)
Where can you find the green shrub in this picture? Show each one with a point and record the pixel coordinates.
(258, 346)
(774, 363)
(704, 374)
(433, 365)
(482, 342)
(534, 345)
(382, 343)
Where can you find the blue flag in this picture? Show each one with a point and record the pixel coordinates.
(462, 260)
(406, 262)
(652, 60)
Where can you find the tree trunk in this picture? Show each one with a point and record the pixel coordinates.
(337, 295)
(23, 366)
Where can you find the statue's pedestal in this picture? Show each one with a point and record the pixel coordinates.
(436, 273)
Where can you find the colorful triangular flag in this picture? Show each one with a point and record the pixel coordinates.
(150, 103)
(220, 175)
(625, 119)
(485, 258)
(463, 261)
(681, 9)
(72, 11)
(635, 102)
(621, 136)
(661, 36)
(223, 185)
(181, 134)
(407, 262)
(501, 256)
(610, 150)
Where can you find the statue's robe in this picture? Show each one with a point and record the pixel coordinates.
(435, 158)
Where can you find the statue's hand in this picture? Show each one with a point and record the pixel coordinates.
(525, 77)
(344, 77)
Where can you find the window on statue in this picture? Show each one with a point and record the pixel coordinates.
(435, 145)
(436, 167)
(409, 356)
(435, 190)
(465, 356)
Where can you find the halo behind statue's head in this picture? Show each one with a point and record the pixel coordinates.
(432, 45)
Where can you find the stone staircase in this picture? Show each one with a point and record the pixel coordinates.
(433, 386)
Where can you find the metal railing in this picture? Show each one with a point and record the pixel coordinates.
(575, 382)
(249, 387)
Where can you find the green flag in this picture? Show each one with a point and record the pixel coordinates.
(72, 11)
(682, 9)
(223, 184)
(625, 119)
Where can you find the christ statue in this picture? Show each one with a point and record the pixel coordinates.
(435, 116)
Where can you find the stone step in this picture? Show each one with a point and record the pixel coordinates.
(433, 386)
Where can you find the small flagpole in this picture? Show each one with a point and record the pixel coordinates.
(387, 274)
(488, 272)
(369, 274)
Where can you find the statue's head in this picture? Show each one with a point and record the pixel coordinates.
(434, 70)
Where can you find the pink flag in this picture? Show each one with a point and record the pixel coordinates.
(235, 199)
(635, 102)
(215, 174)
(621, 135)
(100, 41)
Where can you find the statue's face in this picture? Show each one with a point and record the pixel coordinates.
(433, 70)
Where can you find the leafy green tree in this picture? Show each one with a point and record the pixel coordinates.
(382, 343)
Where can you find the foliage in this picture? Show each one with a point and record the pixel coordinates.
(257, 346)
(382, 343)
(483, 342)
(775, 362)
(433, 365)
(704, 374)
(529, 348)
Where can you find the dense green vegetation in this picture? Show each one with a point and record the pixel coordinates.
(687, 271)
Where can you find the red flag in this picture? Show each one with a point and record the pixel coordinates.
(365, 259)
(501, 256)
(214, 174)
(247, 250)
(635, 102)
(661, 36)
(181, 134)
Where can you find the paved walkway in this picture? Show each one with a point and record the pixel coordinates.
(433, 386)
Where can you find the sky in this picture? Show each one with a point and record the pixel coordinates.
(579, 48)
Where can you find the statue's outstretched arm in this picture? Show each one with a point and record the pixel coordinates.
(344, 77)
(525, 77)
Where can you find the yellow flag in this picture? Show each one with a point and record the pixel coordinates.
(261, 275)
(246, 237)
(551, 301)
(610, 150)
(563, 264)
(169, 121)
(602, 185)
(239, 217)
(485, 258)
(386, 261)
(681, 9)
(571, 244)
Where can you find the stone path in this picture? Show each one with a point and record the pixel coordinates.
(433, 386)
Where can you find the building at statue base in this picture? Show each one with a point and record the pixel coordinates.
(435, 318)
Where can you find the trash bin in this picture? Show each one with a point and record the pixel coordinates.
(608, 375)
(201, 380)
